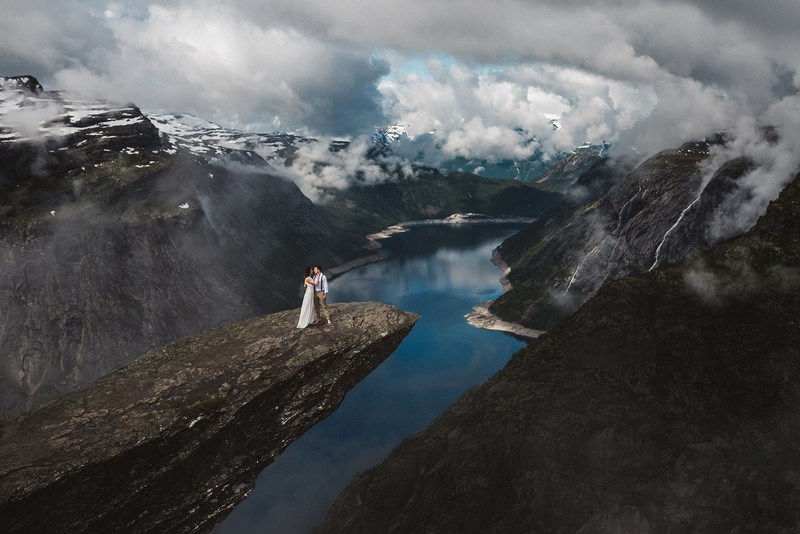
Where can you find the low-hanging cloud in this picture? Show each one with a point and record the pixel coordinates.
(775, 162)
(317, 170)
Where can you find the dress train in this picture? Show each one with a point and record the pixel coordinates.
(307, 313)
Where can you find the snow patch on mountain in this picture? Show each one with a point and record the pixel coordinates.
(26, 116)
(200, 136)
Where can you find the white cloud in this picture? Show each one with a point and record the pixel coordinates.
(316, 169)
(206, 58)
(662, 71)
(774, 164)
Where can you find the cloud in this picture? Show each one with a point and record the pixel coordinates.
(774, 164)
(38, 37)
(644, 74)
(316, 169)
(211, 60)
(716, 288)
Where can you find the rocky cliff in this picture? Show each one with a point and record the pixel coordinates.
(616, 220)
(566, 171)
(670, 402)
(171, 442)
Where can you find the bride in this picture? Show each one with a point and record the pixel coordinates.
(307, 313)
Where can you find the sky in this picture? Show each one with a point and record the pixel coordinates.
(643, 74)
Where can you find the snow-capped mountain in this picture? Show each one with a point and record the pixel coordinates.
(200, 136)
(27, 114)
(428, 149)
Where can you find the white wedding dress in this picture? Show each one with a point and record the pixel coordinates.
(307, 313)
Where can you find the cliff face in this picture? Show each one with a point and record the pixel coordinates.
(669, 402)
(616, 221)
(171, 442)
(568, 170)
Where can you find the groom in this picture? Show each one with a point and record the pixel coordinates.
(321, 292)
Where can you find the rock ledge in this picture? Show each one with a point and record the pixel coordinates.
(174, 440)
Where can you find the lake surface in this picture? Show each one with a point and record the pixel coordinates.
(439, 272)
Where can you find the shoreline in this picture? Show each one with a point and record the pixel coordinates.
(480, 316)
(456, 219)
(374, 240)
(333, 272)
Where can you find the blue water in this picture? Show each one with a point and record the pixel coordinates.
(439, 272)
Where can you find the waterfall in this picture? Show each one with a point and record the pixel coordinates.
(578, 268)
(618, 229)
(664, 239)
(616, 242)
(624, 206)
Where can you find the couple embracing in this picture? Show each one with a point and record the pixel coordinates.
(315, 297)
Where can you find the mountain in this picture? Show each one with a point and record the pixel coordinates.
(114, 239)
(617, 220)
(427, 147)
(432, 195)
(669, 402)
(200, 136)
(120, 232)
(565, 172)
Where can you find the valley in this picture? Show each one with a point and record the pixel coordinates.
(659, 392)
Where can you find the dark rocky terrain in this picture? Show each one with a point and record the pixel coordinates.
(171, 442)
(670, 402)
(116, 238)
(567, 170)
(616, 221)
(433, 196)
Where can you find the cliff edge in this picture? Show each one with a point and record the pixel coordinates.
(172, 441)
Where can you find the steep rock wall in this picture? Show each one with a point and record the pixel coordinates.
(669, 402)
(171, 442)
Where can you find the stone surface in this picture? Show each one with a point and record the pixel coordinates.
(669, 403)
(172, 441)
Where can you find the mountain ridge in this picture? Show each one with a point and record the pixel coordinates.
(667, 403)
(619, 219)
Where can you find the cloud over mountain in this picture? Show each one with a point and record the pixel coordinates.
(645, 74)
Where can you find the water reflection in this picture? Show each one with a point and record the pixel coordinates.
(439, 272)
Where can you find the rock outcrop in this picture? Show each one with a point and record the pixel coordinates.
(171, 442)
(670, 402)
(26, 83)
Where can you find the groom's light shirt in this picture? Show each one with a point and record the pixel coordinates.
(323, 285)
